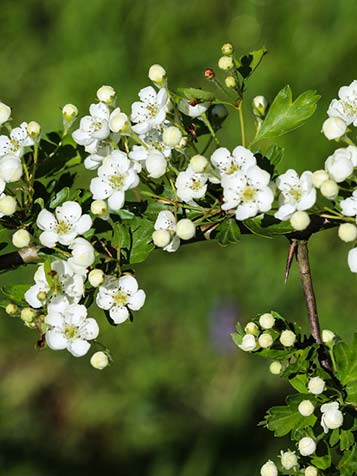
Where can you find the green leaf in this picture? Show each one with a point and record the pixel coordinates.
(15, 294)
(323, 461)
(194, 93)
(285, 115)
(141, 238)
(275, 154)
(60, 197)
(334, 437)
(250, 62)
(227, 232)
(61, 157)
(299, 382)
(347, 440)
(283, 419)
(268, 226)
(346, 367)
(348, 463)
(237, 338)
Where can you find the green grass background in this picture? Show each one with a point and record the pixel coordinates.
(180, 400)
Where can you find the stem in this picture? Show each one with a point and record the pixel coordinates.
(242, 126)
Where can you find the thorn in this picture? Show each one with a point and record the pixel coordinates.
(289, 259)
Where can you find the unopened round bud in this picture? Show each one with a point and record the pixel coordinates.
(300, 220)
(266, 321)
(269, 469)
(251, 328)
(33, 129)
(198, 163)
(265, 340)
(316, 385)
(183, 143)
(106, 94)
(157, 74)
(70, 112)
(352, 260)
(185, 229)
(96, 277)
(248, 343)
(227, 49)
(27, 314)
(119, 123)
(5, 112)
(327, 336)
(11, 309)
(334, 128)
(311, 471)
(7, 205)
(219, 112)
(319, 177)
(99, 207)
(230, 82)
(329, 189)
(288, 459)
(306, 408)
(347, 232)
(10, 168)
(209, 73)
(225, 63)
(99, 360)
(156, 165)
(307, 446)
(260, 105)
(172, 136)
(161, 238)
(275, 368)
(287, 338)
(21, 238)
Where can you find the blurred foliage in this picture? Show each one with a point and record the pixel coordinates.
(180, 400)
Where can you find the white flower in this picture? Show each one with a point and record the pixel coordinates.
(119, 295)
(347, 232)
(311, 471)
(8, 204)
(300, 220)
(251, 328)
(346, 106)
(156, 164)
(191, 185)
(334, 128)
(119, 122)
(260, 105)
(172, 136)
(153, 141)
(166, 221)
(185, 229)
(306, 408)
(249, 343)
(93, 128)
(248, 192)
(5, 112)
(269, 469)
(349, 205)
(307, 446)
(288, 459)
(339, 165)
(275, 368)
(266, 321)
(82, 256)
(352, 260)
(10, 168)
(319, 177)
(115, 176)
(225, 63)
(161, 238)
(34, 130)
(327, 336)
(106, 94)
(265, 340)
(157, 74)
(93, 161)
(329, 189)
(297, 193)
(96, 277)
(21, 238)
(287, 338)
(64, 225)
(192, 108)
(316, 385)
(69, 112)
(198, 163)
(99, 360)
(228, 163)
(18, 140)
(150, 111)
(332, 417)
(70, 328)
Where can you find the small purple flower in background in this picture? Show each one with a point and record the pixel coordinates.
(223, 317)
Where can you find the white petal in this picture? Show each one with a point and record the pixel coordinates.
(117, 200)
(46, 220)
(83, 224)
(104, 299)
(31, 296)
(78, 347)
(55, 319)
(56, 340)
(137, 300)
(69, 211)
(48, 239)
(89, 329)
(119, 314)
(128, 284)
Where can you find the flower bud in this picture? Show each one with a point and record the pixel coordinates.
(42, 296)
(10, 168)
(319, 177)
(307, 446)
(334, 128)
(33, 129)
(248, 343)
(329, 189)
(275, 368)
(99, 207)
(332, 417)
(260, 105)
(219, 112)
(265, 340)
(327, 336)
(347, 232)
(99, 360)
(185, 229)
(306, 408)
(21, 238)
(266, 321)
(300, 220)
(69, 112)
(5, 113)
(269, 469)
(311, 471)
(27, 314)
(225, 63)
(96, 277)
(11, 309)
(287, 338)
(230, 82)
(227, 49)
(198, 163)
(209, 73)
(156, 165)
(157, 74)
(288, 459)
(251, 328)
(316, 385)
(161, 238)
(183, 143)
(339, 165)
(7, 205)
(106, 94)
(119, 123)
(172, 136)
(352, 260)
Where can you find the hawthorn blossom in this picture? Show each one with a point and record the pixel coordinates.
(297, 193)
(332, 417)
(150, 111)
(346, 106)
(191, 185)
(248, 192)
(70, 328)
(349, 205)
(193, 108)
(93, 128)
(64, 225)
(93, 161)
(228, 163)
(16, 142)
(166, 221)
(82, 256)
(115, 176)
(340, 164)
(10, 168)
(119, 295)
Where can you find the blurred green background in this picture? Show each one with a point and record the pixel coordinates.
(180, 399)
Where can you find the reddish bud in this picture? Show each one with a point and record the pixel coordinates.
(209, 73)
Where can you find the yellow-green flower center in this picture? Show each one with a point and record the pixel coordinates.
(350, 108)
(296, 194)
(71, 332)
(152, 109)
(233, 168)
(248, 193)
(196, 185)
(63, 227)
(120, 298)
(117, 181)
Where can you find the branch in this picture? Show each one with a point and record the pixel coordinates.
(23, 256)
